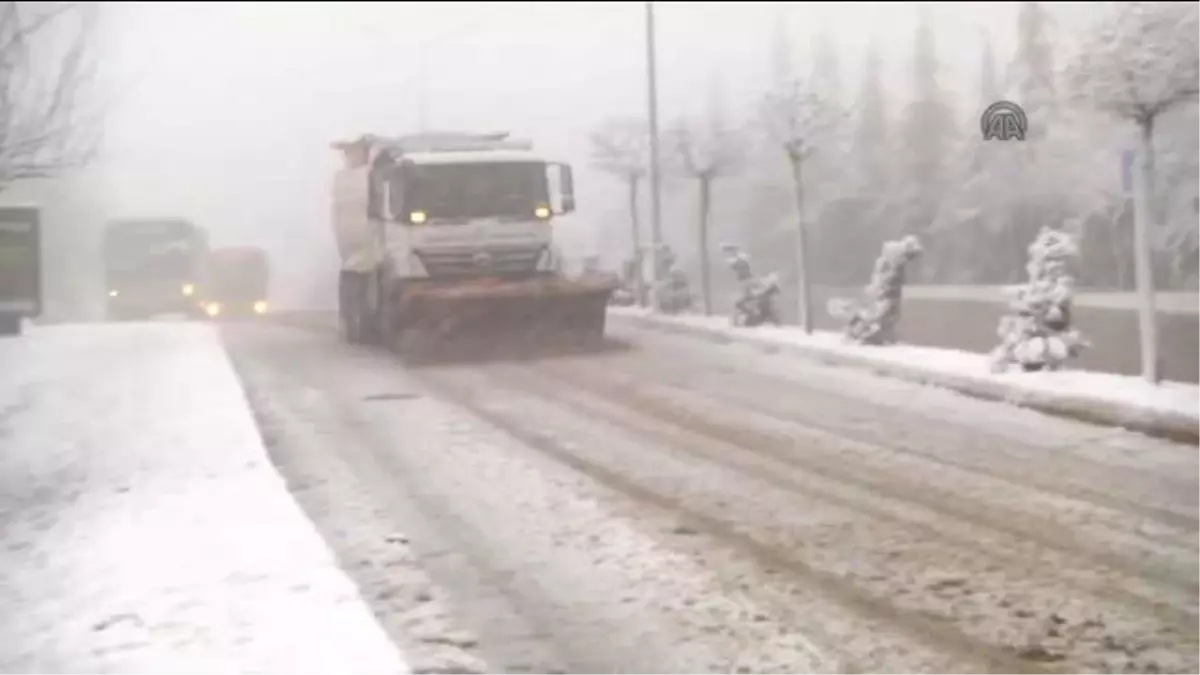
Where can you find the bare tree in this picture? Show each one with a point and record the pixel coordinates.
(1141, 61)
(621, 147)
(706, 150)
(46, 71)
(799, 120)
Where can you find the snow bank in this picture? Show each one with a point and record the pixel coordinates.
(1170, 410)
(145, 529)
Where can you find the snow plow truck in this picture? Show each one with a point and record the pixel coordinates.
(447, 234)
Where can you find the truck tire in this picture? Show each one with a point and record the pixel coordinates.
(371, 316)
(350, 297)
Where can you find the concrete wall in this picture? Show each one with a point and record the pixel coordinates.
(966, 318)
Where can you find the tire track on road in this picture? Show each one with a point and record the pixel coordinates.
(1001, 545)
(465, 390)
(717, 420)
(975, 449)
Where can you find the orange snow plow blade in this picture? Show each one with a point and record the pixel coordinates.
(530, 312)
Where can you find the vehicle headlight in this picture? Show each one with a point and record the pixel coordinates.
(417, 217)
(542, 212)
(260, 307)
(113, 293)
(212, 308)
(188, 289)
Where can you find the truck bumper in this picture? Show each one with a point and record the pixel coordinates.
(143, 308)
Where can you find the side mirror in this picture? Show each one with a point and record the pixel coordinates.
(566, 188)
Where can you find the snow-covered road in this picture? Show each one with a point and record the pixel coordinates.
(142, 526)
(679, 506)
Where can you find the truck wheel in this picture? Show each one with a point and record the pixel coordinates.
(371, 317)
(10, 325)
(350, 311)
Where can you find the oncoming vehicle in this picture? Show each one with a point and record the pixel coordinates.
(440, 233)
(153, 266)
(236, 282)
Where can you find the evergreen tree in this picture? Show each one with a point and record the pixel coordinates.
(1032, 72)
(928, 128)
(870, 138)
(826, 66)
(989, 83)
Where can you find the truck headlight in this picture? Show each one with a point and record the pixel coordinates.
(188, 289)
(417, 217)
(542, 212)
(113, 293)
(260, 307)
(212, 308)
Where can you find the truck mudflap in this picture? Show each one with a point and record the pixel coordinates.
(551, 309)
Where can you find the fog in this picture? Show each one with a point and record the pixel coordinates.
(224, 112)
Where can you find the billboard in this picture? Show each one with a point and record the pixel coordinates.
(20, 261)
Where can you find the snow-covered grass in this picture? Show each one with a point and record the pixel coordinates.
(1170, 409)
(145, 529)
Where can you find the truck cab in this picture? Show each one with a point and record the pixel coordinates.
(437, 228)
(455, 206)
(236, 282)
(153, 266)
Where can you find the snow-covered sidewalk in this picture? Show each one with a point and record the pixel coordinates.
(144, 528)
(1170, 410)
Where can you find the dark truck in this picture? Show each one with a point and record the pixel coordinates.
(153, 266)
(236, 282)
(20, 267)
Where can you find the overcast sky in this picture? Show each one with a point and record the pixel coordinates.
(226, 110)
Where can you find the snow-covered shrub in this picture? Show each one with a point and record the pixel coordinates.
(672, 293)
(752, 287)
(872, 320)
(627, 293)
(1037, 333)
(738, 261)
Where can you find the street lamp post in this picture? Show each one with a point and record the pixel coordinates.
(655, 187)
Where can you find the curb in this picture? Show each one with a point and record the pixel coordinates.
(1159, 424)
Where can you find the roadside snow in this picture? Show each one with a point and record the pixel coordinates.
(144, 529)
(1171, 408)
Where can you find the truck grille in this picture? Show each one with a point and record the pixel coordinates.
(474, 262)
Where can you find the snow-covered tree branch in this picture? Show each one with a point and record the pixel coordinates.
(799, 119)
(1141, 60)
(706, 150)
(46, 69)
(621, 148)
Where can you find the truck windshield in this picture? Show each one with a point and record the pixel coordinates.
(151, 249)
(460, 191)
(237, 279)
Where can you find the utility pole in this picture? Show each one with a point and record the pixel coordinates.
(423, 91)
(655, 178)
